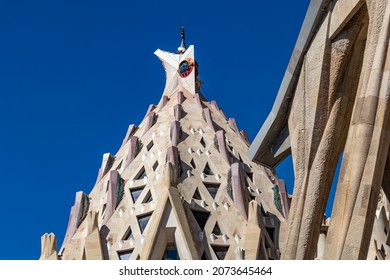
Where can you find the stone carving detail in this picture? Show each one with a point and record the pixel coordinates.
(114, 195)
(178, 112)
(221, 145)
(333, 99)
(150, 121)
(175, 133)
(107, 163)
(238, 190)
(135, 146)
(49, 247)
(208, 118)
(130, 131)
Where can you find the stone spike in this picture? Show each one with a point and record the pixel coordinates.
(150, 109)
(214, 103)
(173, 157)
(175, 133)
(111, 195)
(238, 187)
(222, 146)
(178, 112)
(209, 118)
(149, 121)
(131, 151)
(180, 97)
(169, 175)
(49, 247)
(164, 101)
(245, 136)
(233, 125)
(130, 131)
(106, 165)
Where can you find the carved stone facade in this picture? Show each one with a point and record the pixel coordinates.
(334, 100)
(181, 186)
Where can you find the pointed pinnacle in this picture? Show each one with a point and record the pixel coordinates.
(182, 47)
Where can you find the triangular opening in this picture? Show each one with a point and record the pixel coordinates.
(125, 255)
(207, 170)
(201, 218)
(217, 230)
(143, 221)
(135, 193)
(220, 251)
(204, 256)
(150, 145)
(212, 189)
(202, 142)
(148, 198)
(128, 235)
(141, 174)
(197, 195)
(193, 164)
(171, 253)
(155, 165)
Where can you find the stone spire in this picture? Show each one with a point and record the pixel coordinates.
(180, 186)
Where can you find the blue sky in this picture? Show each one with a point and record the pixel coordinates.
(75, 74)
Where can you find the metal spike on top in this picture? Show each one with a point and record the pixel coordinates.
(182, 47)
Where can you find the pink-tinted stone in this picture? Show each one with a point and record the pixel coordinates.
(174, 158)
(130, 131)
(178, 112)
(111, 195)
(131, 152)
(238, 186)
(175, 133)
(222, 146)
(209, 119)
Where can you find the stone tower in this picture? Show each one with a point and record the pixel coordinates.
(180, 187)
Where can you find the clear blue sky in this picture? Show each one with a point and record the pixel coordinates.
(75, 74)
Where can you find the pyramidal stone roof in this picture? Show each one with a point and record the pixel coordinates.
(180, 187)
